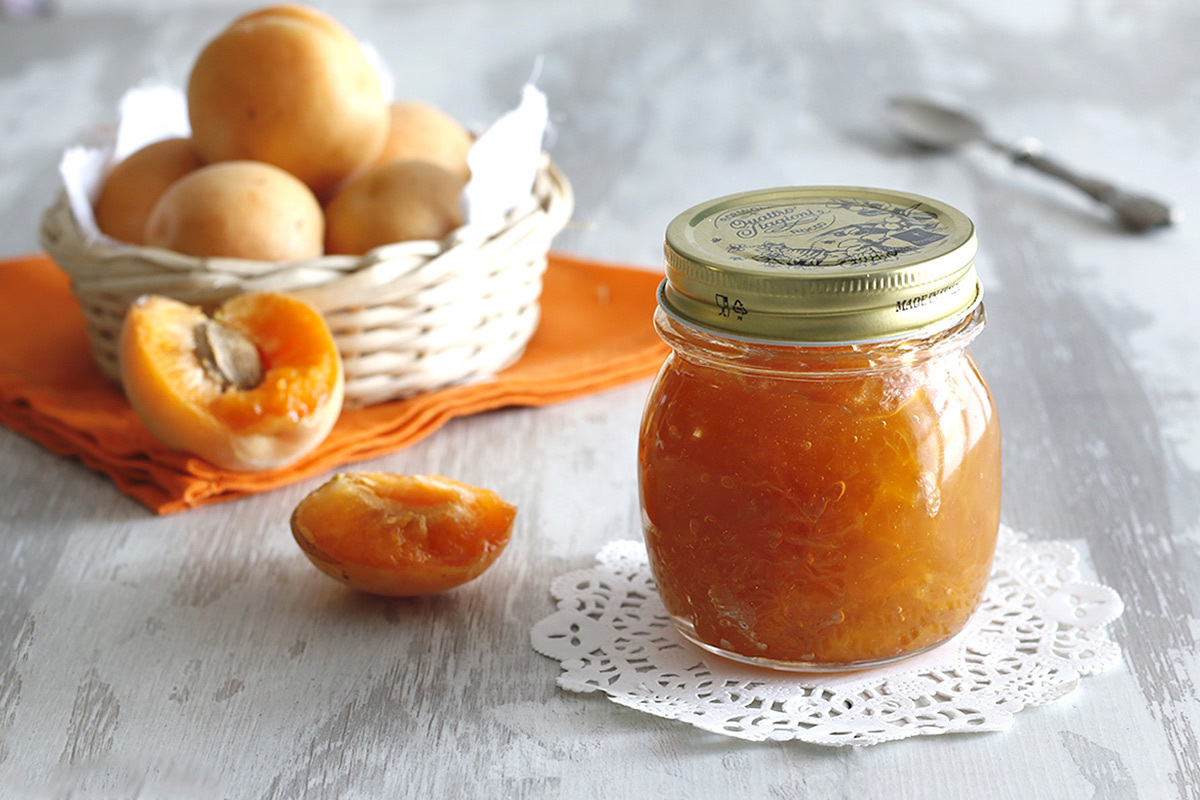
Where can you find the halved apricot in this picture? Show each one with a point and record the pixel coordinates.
(402, 535)
(255, 387)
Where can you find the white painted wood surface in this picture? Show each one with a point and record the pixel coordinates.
(199, 655)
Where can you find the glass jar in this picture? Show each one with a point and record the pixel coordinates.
(819, 457)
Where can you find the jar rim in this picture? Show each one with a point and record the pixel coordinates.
(932, 329)
(820, 264)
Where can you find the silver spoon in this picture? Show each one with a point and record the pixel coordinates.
(941, 128)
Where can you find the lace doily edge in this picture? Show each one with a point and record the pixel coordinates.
(815, 734)
(998, 716)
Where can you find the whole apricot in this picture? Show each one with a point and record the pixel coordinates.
(396, 202)
(402, 535)
(295, 10)
(134, 185)
(238, 209)
(290, 86)
(423, 132)
(254, 387)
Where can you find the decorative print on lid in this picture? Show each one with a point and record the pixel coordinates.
(837, 232)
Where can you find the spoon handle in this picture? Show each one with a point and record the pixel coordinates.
(1136, 211)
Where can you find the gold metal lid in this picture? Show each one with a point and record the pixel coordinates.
(820, 264)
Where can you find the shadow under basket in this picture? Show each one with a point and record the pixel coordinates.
(407, 317)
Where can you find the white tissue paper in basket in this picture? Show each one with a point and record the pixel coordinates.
(504, 159)
(148, 114)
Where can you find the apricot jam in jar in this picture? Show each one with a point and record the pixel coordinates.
(819, 456)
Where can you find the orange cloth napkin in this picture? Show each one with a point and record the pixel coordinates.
(595, 333)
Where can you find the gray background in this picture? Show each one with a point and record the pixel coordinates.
(199, 655)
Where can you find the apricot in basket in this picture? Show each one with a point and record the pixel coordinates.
(397, 202)
(134, 185)
(256, 386)
(290, 86)
(422, 132)
(238, 209)
(402, 535)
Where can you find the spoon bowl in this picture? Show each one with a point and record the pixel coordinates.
(933, 126)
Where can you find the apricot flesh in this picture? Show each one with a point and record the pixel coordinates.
(283, 415)
(402, 535)
(289, 86)
(134, 185)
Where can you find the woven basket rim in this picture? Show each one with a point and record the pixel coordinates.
(551, 191)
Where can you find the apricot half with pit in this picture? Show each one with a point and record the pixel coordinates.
(256, 386)
(402, 535)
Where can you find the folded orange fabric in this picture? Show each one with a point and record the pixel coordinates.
(595, 333)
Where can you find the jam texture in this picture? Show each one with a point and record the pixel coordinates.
(820, 507)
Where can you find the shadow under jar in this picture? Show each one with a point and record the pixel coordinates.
(819, 457)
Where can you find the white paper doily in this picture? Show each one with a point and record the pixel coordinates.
(1039, 631)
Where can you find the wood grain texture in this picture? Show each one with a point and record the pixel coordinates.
(201, 656)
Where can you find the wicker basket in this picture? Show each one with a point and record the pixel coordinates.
(407, 317)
